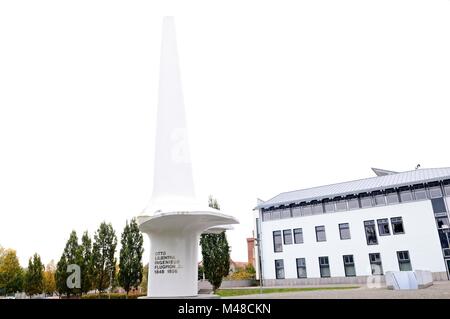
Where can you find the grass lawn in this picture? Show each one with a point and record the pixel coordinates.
(253, 291)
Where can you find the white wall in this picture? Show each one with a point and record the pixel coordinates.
(420, 239)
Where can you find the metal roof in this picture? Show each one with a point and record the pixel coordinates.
(359, 186)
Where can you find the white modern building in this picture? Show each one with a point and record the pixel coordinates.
(345, 232)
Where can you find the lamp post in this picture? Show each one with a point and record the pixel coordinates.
(258, 244)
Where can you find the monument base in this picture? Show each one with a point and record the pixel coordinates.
(199, 296)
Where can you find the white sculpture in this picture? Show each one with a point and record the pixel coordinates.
(174, 219)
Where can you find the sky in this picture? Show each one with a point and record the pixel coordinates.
(279, 95)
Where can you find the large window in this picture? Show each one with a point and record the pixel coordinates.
(438, 206)
(279, 268)
(329, 206)
(324, 267)
(447, 187)
(392, 197)
(371, 235)
(298, 236)
(277, 243)
(404, 262)
(276, 214)
(301, 268)
(383, 227)
(286, 213)
(287, 236)
(306, 210)
(444, 238)
(341, 205)
(435, 191)
(366, 201)
(375, 264)
(344, 231)
(296, 211)
(442, 222)
(353, 203)
(380, 199)
(317, 208)
(397, 225)
(320, 233)
(349, 266)
(406, 195)
(420, 192)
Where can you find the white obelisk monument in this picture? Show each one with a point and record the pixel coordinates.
(174, 219)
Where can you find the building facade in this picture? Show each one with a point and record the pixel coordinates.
(346, 232)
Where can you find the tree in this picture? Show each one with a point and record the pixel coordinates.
(49, 279)
(34, 277)
(86, 263)
(103, 260)
(70, 256)
(216, 254)
(11, 274)
(130, 263)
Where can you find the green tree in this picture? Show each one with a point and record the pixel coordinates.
(11, 274)
(49, 279)
(130, 263)
(103, 260)
(86, 263)
(61, 277)
(34, 277)
(70, 256)
(215, 253)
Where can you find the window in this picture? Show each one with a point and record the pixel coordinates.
(344, 231)
(276, 214)
(279, 268)
(324, 267)
(317, 208)
(301, 268)
(353, 203)
(329, 206)
(442, 222)
(443, 237)
(341, 205)
(349, 266)
(380, 200)
(392, 197)
(438, 206)
(306, 210)
(375, 264)
(435, 192)
(277, 244)
(447, 187)
(404, 263)
(298, 236)
(320, 233)
(286, 213)
(266, 216)
(383, 227)
(397, 225)
(287, 236)
(296, 211)
(366, 201)
(371, 235)
(420, 192)
(406, 195)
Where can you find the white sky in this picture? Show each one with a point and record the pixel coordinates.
(280, 95)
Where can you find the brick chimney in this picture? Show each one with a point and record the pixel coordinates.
(251, 251)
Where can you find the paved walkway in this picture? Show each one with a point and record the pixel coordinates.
(440, 290)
